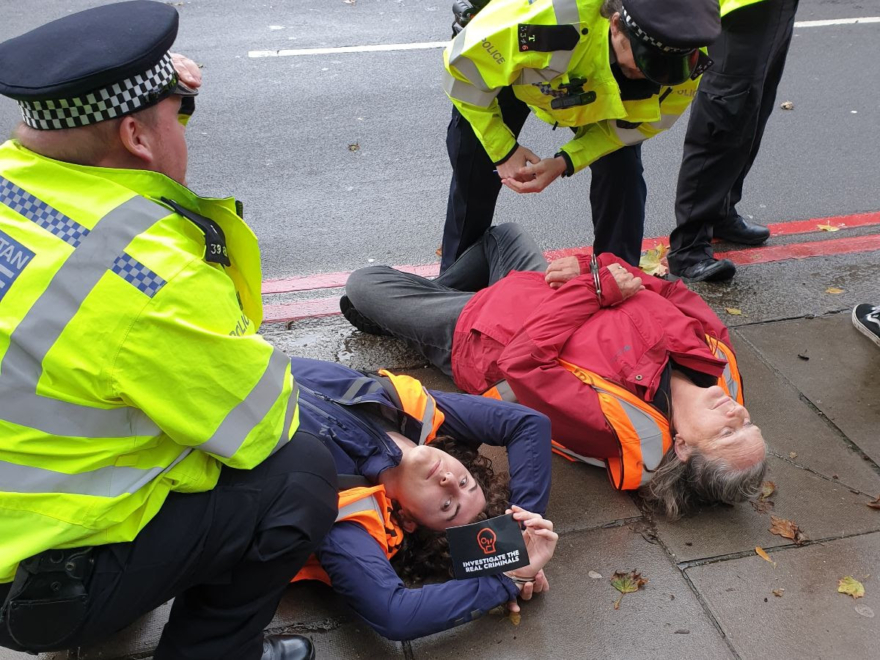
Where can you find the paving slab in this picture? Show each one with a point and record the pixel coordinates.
(790, 425)
(577, 619)
(840, 377)
(822, 508)
(811, 620)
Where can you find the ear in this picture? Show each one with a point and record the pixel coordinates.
(682, 449)
(137, 139)
(615, 24)
(409, 525)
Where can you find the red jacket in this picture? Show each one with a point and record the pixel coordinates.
(518, 328)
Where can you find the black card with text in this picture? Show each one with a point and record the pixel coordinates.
(488, 547)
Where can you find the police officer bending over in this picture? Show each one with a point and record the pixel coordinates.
(148, 436)
(616, 72)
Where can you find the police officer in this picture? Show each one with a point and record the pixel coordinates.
(148, 436)
(616, 72)
(724, 134)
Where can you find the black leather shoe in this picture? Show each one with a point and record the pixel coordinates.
(709, 270)
(358, 320)
(740, 230)
(287, 647)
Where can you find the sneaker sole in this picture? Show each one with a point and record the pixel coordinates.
(861, 328)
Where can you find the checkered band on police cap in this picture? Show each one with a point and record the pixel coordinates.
(641, 35)
(121, 98)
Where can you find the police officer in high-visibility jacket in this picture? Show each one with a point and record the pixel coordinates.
(724, 134)
(616, 72)
(148, 436)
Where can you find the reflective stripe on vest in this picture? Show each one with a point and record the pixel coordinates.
(417, 403)
(731, 380)
(370, 508)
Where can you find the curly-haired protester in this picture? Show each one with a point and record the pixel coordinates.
(635, 373)
(410, 469)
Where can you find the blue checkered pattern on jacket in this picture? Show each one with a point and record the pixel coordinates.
(134, 272)
(36, 210)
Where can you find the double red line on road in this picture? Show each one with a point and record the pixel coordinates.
(759, 255)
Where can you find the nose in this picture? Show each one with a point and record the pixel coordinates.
(445, 478)
(716, 390)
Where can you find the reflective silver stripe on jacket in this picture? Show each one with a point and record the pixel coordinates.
(583, 459)
(462, 91)
(427, 418)
(732, 384)
(292, 403)
(366, 504)
(649, 432)
(505, 392)
(631, 136)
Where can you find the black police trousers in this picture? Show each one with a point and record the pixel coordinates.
(617, 192)
(728, 116)
(225, 556)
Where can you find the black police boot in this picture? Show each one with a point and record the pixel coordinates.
(287, 647)
(739, 230)
(358, 320)
(709, 270)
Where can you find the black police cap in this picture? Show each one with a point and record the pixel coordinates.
(94, 65)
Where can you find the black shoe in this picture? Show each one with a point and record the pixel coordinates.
(360, 321)
(287, 647)
(740, 230)
(709, 270)
(866, 318)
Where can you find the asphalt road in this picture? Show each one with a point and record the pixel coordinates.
(275, 132)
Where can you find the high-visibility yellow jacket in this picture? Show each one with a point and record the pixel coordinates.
(728, 6)
(494, 51)
(129, 363)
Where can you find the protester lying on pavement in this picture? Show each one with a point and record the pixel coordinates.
(399, 436)
(636, 373)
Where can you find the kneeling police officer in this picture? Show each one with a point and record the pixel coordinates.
(148, 436)
(616, 72)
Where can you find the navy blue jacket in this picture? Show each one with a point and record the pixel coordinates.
(332, 400)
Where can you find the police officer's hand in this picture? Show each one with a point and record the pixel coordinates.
(187, 70)
(561, 271)
(535, 178)
(510, 168)
(628, 283)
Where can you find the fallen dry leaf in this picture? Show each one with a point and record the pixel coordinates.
(875, 504)
(851, 587)
(653, 261)
(778, 592)
(786, 529)
(792, 455)
(733, 311)
(515, 618)
(767, 489)
(833, 290)
(763, 555)
(762, 506)
(828, 227)
(787, 105)
(595, 575)
(354, 147)
(627, 583)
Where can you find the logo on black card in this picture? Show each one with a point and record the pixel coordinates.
(486, 538)
(489, 547)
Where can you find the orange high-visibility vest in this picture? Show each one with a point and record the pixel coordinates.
(416, 402)
(642, 430)
(370, 508)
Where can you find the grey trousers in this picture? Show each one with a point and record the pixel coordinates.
(422, 312)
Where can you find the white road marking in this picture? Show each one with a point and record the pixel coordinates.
(837, 21)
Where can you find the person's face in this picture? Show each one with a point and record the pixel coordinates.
(435, 490)
(170, 155)
(714, 424)
(623, 50)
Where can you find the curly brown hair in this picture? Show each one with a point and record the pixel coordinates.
(424, 553)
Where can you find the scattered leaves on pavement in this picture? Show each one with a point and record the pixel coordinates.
(833, 290)
(515, 617)
(594, 575)
(763, 503)
(786, 529)
(439, 251)
(762, 506)
(864, 610)
(763, 555)
(828, 227)
(792, 455)
(787, 105)
(851, 587)
(653, 262)
(778, 592)
(354, 147)
(627, 583)
(733, 311)
(767, 489)
(874, 504)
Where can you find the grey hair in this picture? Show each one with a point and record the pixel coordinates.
(611, 7)
(678, 487)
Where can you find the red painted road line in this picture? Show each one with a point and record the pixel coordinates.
(334, 280)
(761, 255)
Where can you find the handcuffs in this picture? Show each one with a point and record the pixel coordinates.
(594, 268)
